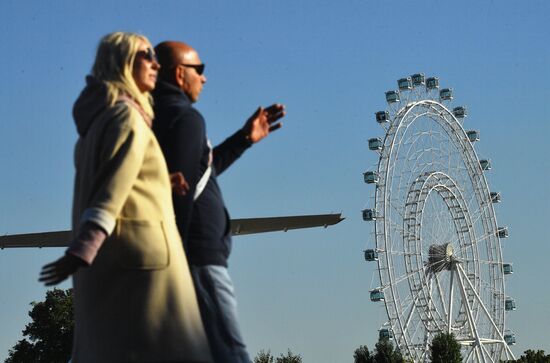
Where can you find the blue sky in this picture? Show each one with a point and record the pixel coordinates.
(330, 63)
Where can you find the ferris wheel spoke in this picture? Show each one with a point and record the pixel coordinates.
(402, 253)
(490, 288)
(484, 238)
(400, 214)
(464, 249)
(478, 214)
(489, 262)
(407, 276)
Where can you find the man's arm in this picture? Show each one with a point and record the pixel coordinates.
(230, 150)
(257, 127)
(186, 147)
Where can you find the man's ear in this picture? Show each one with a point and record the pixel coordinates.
(179, 75)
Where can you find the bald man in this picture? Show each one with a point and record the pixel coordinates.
(202, 218)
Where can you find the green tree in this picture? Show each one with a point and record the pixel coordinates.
(385, 352)
(289, 358)
(362, 355)
(445, 349)
(48, 337)
(263, 357)
(531, 356)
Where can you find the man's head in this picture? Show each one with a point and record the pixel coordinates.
(182, 67)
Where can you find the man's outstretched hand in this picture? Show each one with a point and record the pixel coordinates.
(264, 121)
(56, 272)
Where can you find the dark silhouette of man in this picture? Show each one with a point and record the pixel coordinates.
(202, 218)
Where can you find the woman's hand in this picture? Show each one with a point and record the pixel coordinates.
(56, 272)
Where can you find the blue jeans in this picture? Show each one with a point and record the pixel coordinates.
(218, 308)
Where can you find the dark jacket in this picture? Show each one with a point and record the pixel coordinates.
(204, 224)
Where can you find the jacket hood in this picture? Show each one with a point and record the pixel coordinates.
(92, 100)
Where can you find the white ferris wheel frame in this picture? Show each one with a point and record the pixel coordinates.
(469, 275)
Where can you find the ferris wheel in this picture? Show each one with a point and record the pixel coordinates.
(438, 244)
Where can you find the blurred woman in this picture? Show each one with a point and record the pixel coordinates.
(134, 298)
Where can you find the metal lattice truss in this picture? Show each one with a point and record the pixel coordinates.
(437, 240)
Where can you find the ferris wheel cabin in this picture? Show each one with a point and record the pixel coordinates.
(507, 268)
(446, 94)
(376, 295)
(460, 112)
(370, 177)
(510, 338)
(369, 215)
(405, 84)
(495, 197)
(382, 117)
(485, 164)
(392, 96)
(418, 79)
(375, 143)
(385, 333)
(371, 255)
(510, 304)
(432, 83)
(473, 135)
(502, 232)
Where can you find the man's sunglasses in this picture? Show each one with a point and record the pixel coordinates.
(199, 68)
(148, 55)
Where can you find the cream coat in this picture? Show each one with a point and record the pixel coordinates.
(136, 302)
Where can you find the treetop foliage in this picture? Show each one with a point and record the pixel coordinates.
(48, 339)
(362, 355)
(386, 353)
(49, 336)
(289, 358)
(445, 349)
(531, 356)
(266, 357)
(263, 357)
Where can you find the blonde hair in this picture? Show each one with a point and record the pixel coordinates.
(114, 64)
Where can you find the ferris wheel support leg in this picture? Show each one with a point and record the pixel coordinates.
(469, 354)
(509, 354)
(450, 317)
(407, 322)
(440, 290)
(426, 352)
(424, 356)
(476, 351)
(473, 327)
(506, 347)
(486, 352)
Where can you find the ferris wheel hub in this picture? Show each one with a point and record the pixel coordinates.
(449, 251)
(440, 258)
